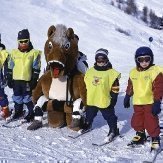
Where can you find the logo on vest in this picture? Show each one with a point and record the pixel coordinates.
(96, 80)
(146, 77)
(134, 78)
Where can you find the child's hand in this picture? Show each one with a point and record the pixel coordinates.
(156, 108)
(126, 102)
(10, 83)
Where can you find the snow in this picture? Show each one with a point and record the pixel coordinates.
(96, 22)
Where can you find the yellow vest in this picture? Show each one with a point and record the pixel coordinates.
(3, 57)
(23, 63)
(161, 67)
(98, 85)
(142, 85)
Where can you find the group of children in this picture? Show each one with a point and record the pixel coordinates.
(145, 84)
(20, 70)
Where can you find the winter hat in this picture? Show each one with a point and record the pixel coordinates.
(23, 34)
(101, 52)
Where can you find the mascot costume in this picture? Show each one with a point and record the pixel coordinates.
(61, 91)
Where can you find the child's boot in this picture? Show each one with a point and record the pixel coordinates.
(155, 143)
(113, 132)
(138, 139)
(86, 127)
(4, 113)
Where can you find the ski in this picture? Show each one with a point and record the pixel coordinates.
(13, 123)
(100, 144)
(13, 126)
(155, 156)
(79, 133)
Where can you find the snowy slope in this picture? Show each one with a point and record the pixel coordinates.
(96, 22)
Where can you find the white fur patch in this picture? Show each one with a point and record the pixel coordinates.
(58, 89)
(76, 105)
(41, 101)
(76, 116)
(39, 118)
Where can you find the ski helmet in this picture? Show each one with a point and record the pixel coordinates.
(143, 51)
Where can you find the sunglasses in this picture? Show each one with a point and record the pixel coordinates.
(26, 41)
(100, 60)
(144, 59)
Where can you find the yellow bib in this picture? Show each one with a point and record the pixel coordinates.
(3, 57)
(142, 85)
(23, 63)
(98, 85)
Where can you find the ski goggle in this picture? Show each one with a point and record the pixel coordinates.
(25, 41)
(101, 60)
(143, 59)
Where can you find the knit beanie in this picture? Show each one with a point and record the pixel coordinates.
(101, 53)
(23, 34)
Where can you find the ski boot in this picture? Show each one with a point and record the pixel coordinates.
(4, 113)
(139, 139)
(113, 132)
(86, 127)
(155, 143)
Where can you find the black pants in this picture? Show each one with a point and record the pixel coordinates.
(107, 113)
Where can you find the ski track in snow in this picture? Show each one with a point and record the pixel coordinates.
(53, 145)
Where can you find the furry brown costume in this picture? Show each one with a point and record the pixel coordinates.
(62, 82)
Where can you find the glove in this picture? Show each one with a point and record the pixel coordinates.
(10, 81)
(126, 102)
(33, 84)
(35, 76)
(156, 108)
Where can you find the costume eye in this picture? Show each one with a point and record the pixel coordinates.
(50, 45)
(67, 45)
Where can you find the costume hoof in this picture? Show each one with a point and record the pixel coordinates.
(35, 125)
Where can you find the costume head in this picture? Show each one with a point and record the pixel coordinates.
(143, 51)
(61, 50)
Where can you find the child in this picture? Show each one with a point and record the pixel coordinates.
(145, 85)
(4, 112)
(102, 84)
(23, 72)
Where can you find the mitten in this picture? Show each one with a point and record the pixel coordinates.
(126, 102)
(10, 81)
(33, 84)
(35, 76)
(156, 108)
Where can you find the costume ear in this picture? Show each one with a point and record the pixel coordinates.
(51, 30)
(70, 33)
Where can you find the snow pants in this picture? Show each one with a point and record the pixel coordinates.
(22, 95)
(107, 113)
(144, 119)
(3, 98)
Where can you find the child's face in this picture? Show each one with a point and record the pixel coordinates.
(144, 61)
(101, 61)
